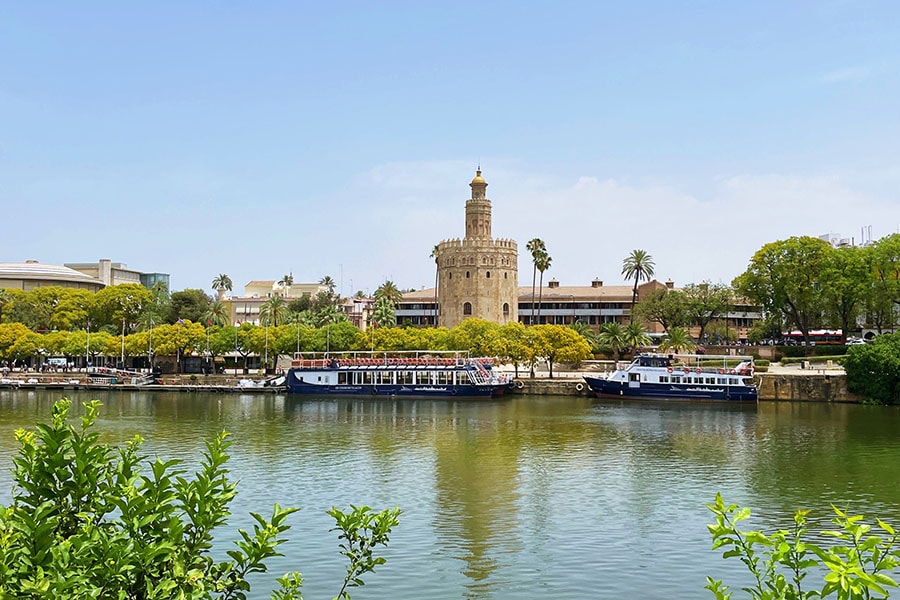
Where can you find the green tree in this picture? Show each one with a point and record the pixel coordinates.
(87, 522)
(535, 247)
(188, 305)
(585, 331)
(612, 336)
(676, 340)
(884, 264)
(635, 336)
(298, 305)
(665, 306)
(873, 370)
(390, 292)
(846, 281)
(221, 284)
(383, 313)
(274, 311)
(512, 344)
(638, 266)
(706, 302)
(786, 277)
(218, 314)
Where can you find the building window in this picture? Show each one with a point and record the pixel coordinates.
(449, 275)
(488, 275)
(467, 309)
(467, 274)
(504, 275)
(506, 310)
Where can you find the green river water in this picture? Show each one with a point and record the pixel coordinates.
(522, 497)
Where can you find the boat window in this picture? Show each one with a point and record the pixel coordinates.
(664, 379)
(443, 377)
(342, 378)
(634, 377)
(710, 380)
(367, 377)
(405, 377)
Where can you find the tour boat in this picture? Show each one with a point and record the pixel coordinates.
(415, 374)
(683, 376)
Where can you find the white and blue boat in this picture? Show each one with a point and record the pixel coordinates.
(683, 376)
(414, 374)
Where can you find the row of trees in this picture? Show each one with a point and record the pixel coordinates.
(805, 283)
(512, 342)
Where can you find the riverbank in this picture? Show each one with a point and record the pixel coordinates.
(792, 383)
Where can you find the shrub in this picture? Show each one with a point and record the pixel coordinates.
(855, 568)
(85, 522)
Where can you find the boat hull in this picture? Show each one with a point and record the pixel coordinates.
(605, 388)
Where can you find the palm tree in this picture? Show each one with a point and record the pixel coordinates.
(390, 291)
(676, 340)
(535, 247)
(222, 283)
(383, 313)
(218, 314)
(638, 266)
(437, 264)
(635, 336)
(285, 283)
(542, 263)
(613, 337)
(274, 311)
(329, 283)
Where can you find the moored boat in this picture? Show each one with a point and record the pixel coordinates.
(683, 376)
(415, 374)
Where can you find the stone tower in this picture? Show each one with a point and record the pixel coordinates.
(478, 275)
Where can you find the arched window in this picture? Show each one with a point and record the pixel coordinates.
(506, 309)
(488, 275)
(467, 309)
(467, 274)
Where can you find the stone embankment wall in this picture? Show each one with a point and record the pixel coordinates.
(772, 387)
(804, 388)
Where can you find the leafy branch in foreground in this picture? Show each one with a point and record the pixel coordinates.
(855, 568)
(85, 522)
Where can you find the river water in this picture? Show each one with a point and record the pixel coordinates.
(522, 497)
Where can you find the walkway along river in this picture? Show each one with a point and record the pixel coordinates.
(519, 497)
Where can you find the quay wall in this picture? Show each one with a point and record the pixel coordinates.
(774, 387)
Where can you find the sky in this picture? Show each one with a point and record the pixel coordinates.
(259, 139)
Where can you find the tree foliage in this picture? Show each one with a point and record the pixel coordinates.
(88, 522)
(857, 567)
(873, 370)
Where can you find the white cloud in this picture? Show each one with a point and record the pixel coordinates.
(846, 74)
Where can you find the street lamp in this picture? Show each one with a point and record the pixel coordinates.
(266, 364)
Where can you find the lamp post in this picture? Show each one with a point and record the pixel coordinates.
(122, 359)
(87, 348)
(150, 349)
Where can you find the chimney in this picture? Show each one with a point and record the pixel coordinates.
(597, 283)
(553, 283)
(670, 284)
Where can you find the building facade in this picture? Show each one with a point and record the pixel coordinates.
(477, 275)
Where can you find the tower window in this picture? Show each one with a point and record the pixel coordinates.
(467, 274)
(467, 308)
(488, 275)
(504, 275)
(450, 275)
(506, 309)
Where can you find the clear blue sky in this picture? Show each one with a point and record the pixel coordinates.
(261, 138)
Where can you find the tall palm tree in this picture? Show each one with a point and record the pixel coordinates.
(535, 247)
(437, 264)
(274, 310)
(542, 263)
(389, 290)
(638, 266)
(222, 283)
(328, 282)
(218, 314)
